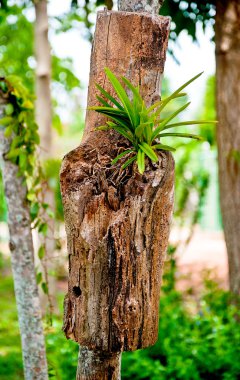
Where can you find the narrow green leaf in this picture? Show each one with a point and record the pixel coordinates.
(141, 161)
(185, 85)
(149, 151)
(121, 155)
(124, 123)
(103, 128)
(185, 135)
(121, 94)
(175, 93)
(109, 97)
(123, 132)
(163, 147)
(101, 100)
(128, 162)
(190, 122)
(111, 124)
(106, 109)
(163, 123)
(160, 102)
(134, 90)
(139, 130)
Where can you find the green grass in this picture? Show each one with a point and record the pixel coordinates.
(62, 353)
(197, 343)
(10, 347)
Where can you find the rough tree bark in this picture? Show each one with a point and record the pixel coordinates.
(117, 222)
(22, 258)
(228, 129)
(44, 121)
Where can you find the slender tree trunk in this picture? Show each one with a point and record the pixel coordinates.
(117, 223)
(44, 121)
(43, 78)
(228, 130)
(22, 257)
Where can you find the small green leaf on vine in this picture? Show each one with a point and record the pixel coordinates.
(43, 228)
(39, 278)
(41, 252)
(44, 287)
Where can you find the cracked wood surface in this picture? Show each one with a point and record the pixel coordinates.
(117, 222)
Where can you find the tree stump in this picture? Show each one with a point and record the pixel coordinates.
(117, 222)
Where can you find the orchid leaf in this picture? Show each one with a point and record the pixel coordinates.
(142, 126)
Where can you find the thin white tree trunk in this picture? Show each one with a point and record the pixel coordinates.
(22, 258)
(44, 121)
(43, 78)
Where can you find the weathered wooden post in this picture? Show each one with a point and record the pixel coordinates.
(117, 224)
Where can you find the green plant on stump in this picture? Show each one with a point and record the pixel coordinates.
(141, 125)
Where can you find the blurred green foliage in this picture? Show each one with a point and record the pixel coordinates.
(17, 57)
(198, 337)
(51, 170)
(17, 54)
(209, 110)
(196, 341)
(62, 354)
(185, 15)
(3, 206)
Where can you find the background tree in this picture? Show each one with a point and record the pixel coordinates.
(17, 145)
(185, 15)
(17, 56)
(44, 119)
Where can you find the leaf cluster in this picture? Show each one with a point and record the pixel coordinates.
(22, 133)
(141, 125)
(19, 125)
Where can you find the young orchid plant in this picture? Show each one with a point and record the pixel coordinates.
(141, 125)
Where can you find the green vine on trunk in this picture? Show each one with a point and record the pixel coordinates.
(22, 131)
